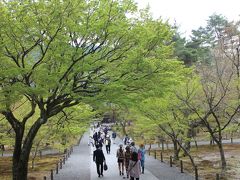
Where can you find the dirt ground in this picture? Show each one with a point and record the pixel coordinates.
(207, 159)
(42, 167)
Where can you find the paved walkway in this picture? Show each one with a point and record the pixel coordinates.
(199, 143)
(77, 167)
(80, 166)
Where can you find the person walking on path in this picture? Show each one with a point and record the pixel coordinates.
(134, 167)
(141, 156)
(133, 148)
(95, 137)
(126, 139)
(120, 159)
(108, 144)
(91, 141)
(99, 158)
(127, 157)
(114, 135)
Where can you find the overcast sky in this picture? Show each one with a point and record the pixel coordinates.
(191, 14)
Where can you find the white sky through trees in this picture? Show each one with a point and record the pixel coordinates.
(191, 14)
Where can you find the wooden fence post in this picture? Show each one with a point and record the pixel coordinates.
(196, 173)
(161, 157)
(51, 174)
(217, 177)
(60, 163)
(155, 154)
(57, 168)
(44, 178)
(181, 165)
(170, 161)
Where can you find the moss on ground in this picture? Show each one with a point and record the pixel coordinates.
(207, 159)
(42, 167)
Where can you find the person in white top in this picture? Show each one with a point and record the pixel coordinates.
(133, 148)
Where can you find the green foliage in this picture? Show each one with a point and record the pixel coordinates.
(67, 59)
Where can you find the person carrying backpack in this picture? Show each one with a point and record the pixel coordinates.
(141, 156)
(127, 157)
(120, 159)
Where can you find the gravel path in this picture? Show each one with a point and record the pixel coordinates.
(80, 166)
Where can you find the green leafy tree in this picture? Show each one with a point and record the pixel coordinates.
(57, 54)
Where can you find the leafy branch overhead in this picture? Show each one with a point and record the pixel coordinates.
(59, 55)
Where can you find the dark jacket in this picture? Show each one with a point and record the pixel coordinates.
(98, 156)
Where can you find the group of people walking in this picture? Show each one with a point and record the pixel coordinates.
(101, 137)
(130, 159)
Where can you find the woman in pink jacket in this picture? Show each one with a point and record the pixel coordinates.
(134, 167)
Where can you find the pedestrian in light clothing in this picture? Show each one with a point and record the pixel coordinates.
(133, 148)
(108, 144)
(134, 167)
(99, 159)
(141, 156)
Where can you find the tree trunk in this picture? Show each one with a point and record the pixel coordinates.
(176, 150)
(196, 143)
(123, 124)
(222, 155)
(21, 152)
(187, 144)
(188, 154)
(162, 145)
(34, 154)
(18, 168)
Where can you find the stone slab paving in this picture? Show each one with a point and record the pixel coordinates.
(80, 166)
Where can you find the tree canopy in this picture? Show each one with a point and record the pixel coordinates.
(59, 54)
